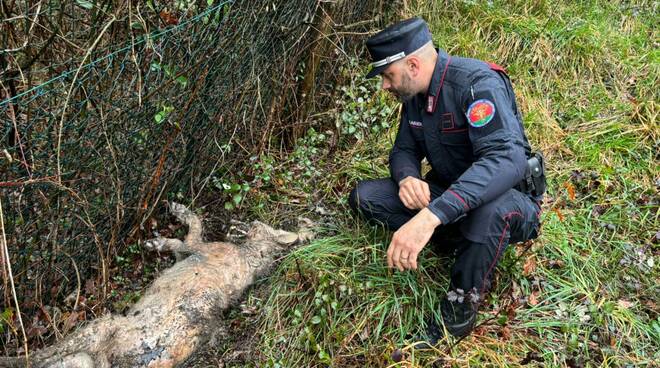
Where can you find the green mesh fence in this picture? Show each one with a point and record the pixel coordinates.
(158, 114)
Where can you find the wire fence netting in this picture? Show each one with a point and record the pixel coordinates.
(94, 141)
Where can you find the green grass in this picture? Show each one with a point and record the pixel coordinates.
(586, 294)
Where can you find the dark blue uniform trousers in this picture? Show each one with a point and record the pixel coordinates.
(478, 238)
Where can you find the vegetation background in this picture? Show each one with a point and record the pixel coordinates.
(584, 294)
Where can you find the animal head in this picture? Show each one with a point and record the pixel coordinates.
(260, 231)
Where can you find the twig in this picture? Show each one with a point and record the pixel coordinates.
(47, 179)
(27, 36)
(99, 246)
(16, 133)
(68, 96)
(118, 191)
(133, 57)
(75, 267)
(11, 281)
(220, 161)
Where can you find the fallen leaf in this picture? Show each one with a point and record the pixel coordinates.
(505, 333)
(364, 334)
(624, 303)
(529, 267)
(533, 298)
(555, 264)
(168, 18)
(70, 321)
(397, 355)
(598, 210)
(90, 287)
(570, 189)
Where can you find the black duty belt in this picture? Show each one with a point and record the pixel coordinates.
(534, 182)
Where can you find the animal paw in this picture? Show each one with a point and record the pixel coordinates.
(305, 229)
(156, 244)
(180, 211)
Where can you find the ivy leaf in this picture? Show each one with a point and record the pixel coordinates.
(85, 4)
(237, 198)
(158, 117)
(229, 206)
(182, 80)
(316, 320)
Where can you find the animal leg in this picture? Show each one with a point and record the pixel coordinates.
(176, 246)
(191, 220)
(160, 244)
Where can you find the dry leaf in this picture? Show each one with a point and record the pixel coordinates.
(529, 267)
(505, 333)
(624, 303)
(70, 321)
(570, 189)
(364, 334)
(397, 355)
(533, 298)
(554, 264)
(169, 18)
(90, 287)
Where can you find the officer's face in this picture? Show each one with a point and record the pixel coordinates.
(396, 80)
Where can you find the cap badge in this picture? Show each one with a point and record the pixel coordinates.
(480, 113)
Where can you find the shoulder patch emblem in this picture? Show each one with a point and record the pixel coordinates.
(480, 113)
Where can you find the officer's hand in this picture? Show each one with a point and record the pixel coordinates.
(414, 193)
(410, 239)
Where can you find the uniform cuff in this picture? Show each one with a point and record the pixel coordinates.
(449, 206)
(439, 214)
(404, 173)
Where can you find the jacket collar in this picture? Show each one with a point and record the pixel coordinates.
(437, 80)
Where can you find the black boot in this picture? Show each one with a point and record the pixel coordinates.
(458, 319)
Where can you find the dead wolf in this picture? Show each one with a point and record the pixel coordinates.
(178, 312)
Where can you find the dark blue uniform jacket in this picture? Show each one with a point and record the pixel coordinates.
(477, 163)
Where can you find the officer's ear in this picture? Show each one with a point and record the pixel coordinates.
(413, 64)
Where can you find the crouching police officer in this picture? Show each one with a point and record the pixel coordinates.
(485, 184)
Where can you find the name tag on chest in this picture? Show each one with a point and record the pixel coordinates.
(415, 124)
